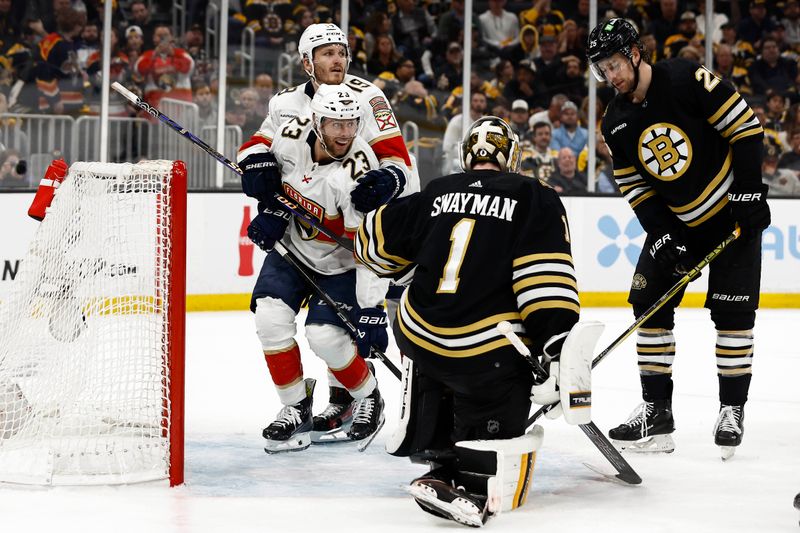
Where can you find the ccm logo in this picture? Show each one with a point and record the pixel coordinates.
(658, 244)
(730, 297)
(744, 197)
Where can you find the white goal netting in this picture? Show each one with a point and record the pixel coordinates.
(91, 335)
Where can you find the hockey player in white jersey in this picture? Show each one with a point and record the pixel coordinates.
(326, 57)
(319, 158)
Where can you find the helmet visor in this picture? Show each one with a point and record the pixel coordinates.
(339, 128)
(608, 67)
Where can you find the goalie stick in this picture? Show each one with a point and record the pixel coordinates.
(675, 289)
(290, 206)
(625, 471)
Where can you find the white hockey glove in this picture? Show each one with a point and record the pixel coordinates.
(547, 392)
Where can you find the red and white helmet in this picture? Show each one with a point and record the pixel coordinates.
(320, 35)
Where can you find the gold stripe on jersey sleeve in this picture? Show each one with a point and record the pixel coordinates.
(723, 108)
(541, 257)
(642, 198)
(541, 280)
(741, 120)
(719, 178)
(628, 186)
(746, 133)
(380, 241)
(460, 330)
(623, 171)
(419, 341)
(549, 304)
(710, 213)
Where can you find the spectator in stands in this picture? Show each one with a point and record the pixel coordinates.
(499, 28)
(9, 177)
(548, 64)
(791, 21)
(501, 110)
(623, 9)
(88, 43)
(757, 26)
(784, 47)
(449, 75)
(526, 86)
(385, 57)
(204, 99)
(566, 179)
(192, 41)
(743, 52)
(519, 118)
(685, 36)
(414, 30)
(542, 160)
(404, 72)
(59, 77)
(791, 123)
(451, 22)
(140, 16)
(781, 181)
(776, 111)
(503, 73)
(551, 115)
(526, 48)
(120, 70)
(453, 134)
(664, 22)
(134, 43)
(572, 41)
(264, 86)
(771, 71)
(570, 79)
(569, 134)
(691, 53)
(358, 54)
(771, 137)
(581, 15)
(167, 70)
(604, 168)
(541, 14)
(378, 23)
(42, 14)
(10, 22)
(248, 110)
(717, 20)
(791, 160)
(727, 71)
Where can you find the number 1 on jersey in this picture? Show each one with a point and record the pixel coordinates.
(459, 239)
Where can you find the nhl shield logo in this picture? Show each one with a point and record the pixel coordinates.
(493, 427)
(639, 282)
(665, 151)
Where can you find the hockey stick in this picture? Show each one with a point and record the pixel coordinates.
(675, 289)
(625, 471)
(281, 249)
(291, 206)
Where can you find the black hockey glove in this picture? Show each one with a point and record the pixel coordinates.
(371, 324)
(261, 177)
(671, 254)
(268, 227)
(750, 209)
(377, 187)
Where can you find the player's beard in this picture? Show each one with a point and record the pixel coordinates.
(334, 149)
(331, 78)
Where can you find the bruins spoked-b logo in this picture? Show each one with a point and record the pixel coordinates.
(665, 151)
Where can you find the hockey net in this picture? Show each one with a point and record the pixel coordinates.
(92, 333)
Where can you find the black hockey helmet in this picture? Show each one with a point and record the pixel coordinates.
(612, 36)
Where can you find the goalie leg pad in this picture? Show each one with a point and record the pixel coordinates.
(275, 324)
(501, 469)
(575, 372)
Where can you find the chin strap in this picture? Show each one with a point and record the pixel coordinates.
(635, 75)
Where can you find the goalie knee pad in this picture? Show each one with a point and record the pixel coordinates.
(500, 469)
(275, 324)
(575, 372)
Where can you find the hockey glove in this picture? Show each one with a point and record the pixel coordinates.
(268, 227)
(371, 324)
(671, 254)
(750, 209)
(261, 177)
(377, 187)
(547, 392)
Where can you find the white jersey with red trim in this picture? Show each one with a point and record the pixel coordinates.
(380, 128)
(323, 190)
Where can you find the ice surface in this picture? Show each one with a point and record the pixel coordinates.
(232, 485)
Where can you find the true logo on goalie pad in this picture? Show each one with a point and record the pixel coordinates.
(580, 399)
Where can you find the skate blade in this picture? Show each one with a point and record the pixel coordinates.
(366, 441)
(331, 436)
(726, 452)
(654, 444)
(459, 510)
(297, 443)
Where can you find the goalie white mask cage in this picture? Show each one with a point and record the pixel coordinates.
(92, 333)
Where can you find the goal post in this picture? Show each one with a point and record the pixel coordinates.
(92, 333)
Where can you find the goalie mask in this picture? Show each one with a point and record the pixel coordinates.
(319, 35)
(490, 140)
(336, 114)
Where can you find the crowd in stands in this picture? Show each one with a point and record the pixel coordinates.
(528, 66)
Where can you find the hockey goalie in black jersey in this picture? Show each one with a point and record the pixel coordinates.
(484, 246)
(686, 149)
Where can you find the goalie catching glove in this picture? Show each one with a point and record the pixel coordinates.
(569, 382)
(268, 227)
(377, 187)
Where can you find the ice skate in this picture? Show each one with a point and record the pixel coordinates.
(440, 498)
(332, 424)
(368, 419)
(648, 429)
(729, 429)
(291, 430)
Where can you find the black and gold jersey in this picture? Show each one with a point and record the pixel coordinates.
(483, 247)
(680, 149)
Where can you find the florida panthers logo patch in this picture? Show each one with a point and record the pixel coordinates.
(665, 151)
